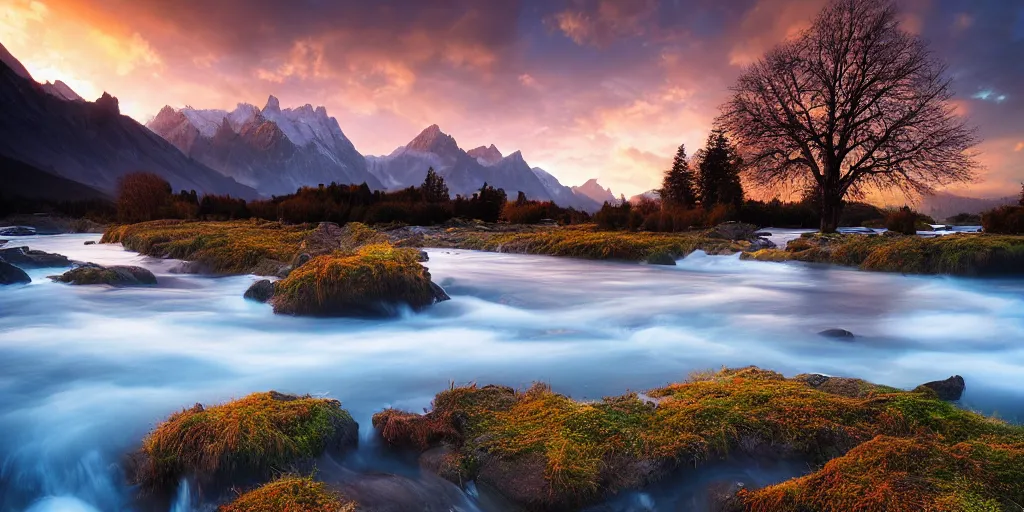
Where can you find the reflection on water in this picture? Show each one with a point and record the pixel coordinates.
(86, 371)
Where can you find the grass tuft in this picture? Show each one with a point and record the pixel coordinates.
(290, 494)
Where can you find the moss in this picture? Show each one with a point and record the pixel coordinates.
(235, 247)
(587, 242)
(367, 281)
(592, 448)
(900, 474)
(113, 276)
(246, 437)
(290, 494)
(961, 254)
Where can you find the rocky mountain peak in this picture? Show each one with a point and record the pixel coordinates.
(273, 104)
(433, 140)
(487, 155)
(108, 104)
(595, 191)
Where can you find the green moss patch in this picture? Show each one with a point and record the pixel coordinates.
(961, 254)
(290, 494)
(241, 439)
(235, 247)
(585, 450)
(367, 281)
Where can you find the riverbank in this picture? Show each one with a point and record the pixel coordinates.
(959, 254)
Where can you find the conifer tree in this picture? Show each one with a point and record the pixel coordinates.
(434, 188)
(677, 187)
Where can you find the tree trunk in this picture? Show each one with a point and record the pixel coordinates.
(831, 209)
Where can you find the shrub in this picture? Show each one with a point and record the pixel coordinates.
(903, 220)
(241, 439)
(142, 196)
(290, 494)
(1005, 219)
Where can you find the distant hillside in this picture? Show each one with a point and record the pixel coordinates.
(942, 205)
(18, 179)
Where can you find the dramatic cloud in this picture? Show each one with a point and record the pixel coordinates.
(585, 88)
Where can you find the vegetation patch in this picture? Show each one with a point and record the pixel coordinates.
(370, 280)
(241, 439)
(587, 242)
(290, 494)
(960, 254)
(582, 451)
(906, 475)
(232, 247)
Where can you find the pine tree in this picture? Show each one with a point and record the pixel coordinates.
(677, 187)
(719, 167)
(1021, 200)
(434, 188)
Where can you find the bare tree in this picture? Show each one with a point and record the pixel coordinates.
(854, 103)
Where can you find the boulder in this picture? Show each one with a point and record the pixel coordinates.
(950, 389)
(733, 231)
(260, 291)
(439, 294)
(90, 242)
(661, 258)
(841, 334)
(422, 256)
(17, 231)
(118, 275)
(27, 258)
(760, 243)
(9, 274)
(300, 259)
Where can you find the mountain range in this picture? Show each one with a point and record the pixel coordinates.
(49, 129)
(466, 171)
(273, 150)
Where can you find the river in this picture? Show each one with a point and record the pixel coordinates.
(85, 372)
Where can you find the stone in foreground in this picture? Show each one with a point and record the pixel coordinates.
(260, 291)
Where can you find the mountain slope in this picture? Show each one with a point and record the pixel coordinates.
(595, 192)
(273, 150)
(91, 142)
(18, 179)
(942, 205)
(466, 171)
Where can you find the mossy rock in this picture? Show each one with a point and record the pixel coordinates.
(368, 282)
(546, 451)
(290, 494)
(242, 440)
(118, 275)
(661, 258)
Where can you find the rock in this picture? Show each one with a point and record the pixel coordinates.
(837, 334)
(27, 258)
(733, 231)
(760, 243)
(422, 256)
(118, 275)
(950, 389)
(300, 259)
(661, 258)
(90, 242)
(3, 243)
(382, 492)
(762, 234)
(17, 231)
(439, 294)
(9, 274)
(723, 496)
(260, 291)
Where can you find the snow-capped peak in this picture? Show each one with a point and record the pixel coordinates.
(303, 125)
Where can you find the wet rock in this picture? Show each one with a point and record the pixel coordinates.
(950, 389)
(661, 258)
(733, 231)
(260, 291)
(842, 334)
(118, 275)
(3, 243)
(762, 234)
(90, 242)
(9, 274)
(17, 231)
(760, 243)
(439, 294)
(422, 256)
(723, 496)
(27, 258)
(382, 492)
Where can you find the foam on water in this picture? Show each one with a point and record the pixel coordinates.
(85, 372)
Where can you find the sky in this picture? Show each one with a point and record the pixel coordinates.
(604, 89)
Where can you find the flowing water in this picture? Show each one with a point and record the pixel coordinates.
(85, 372)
